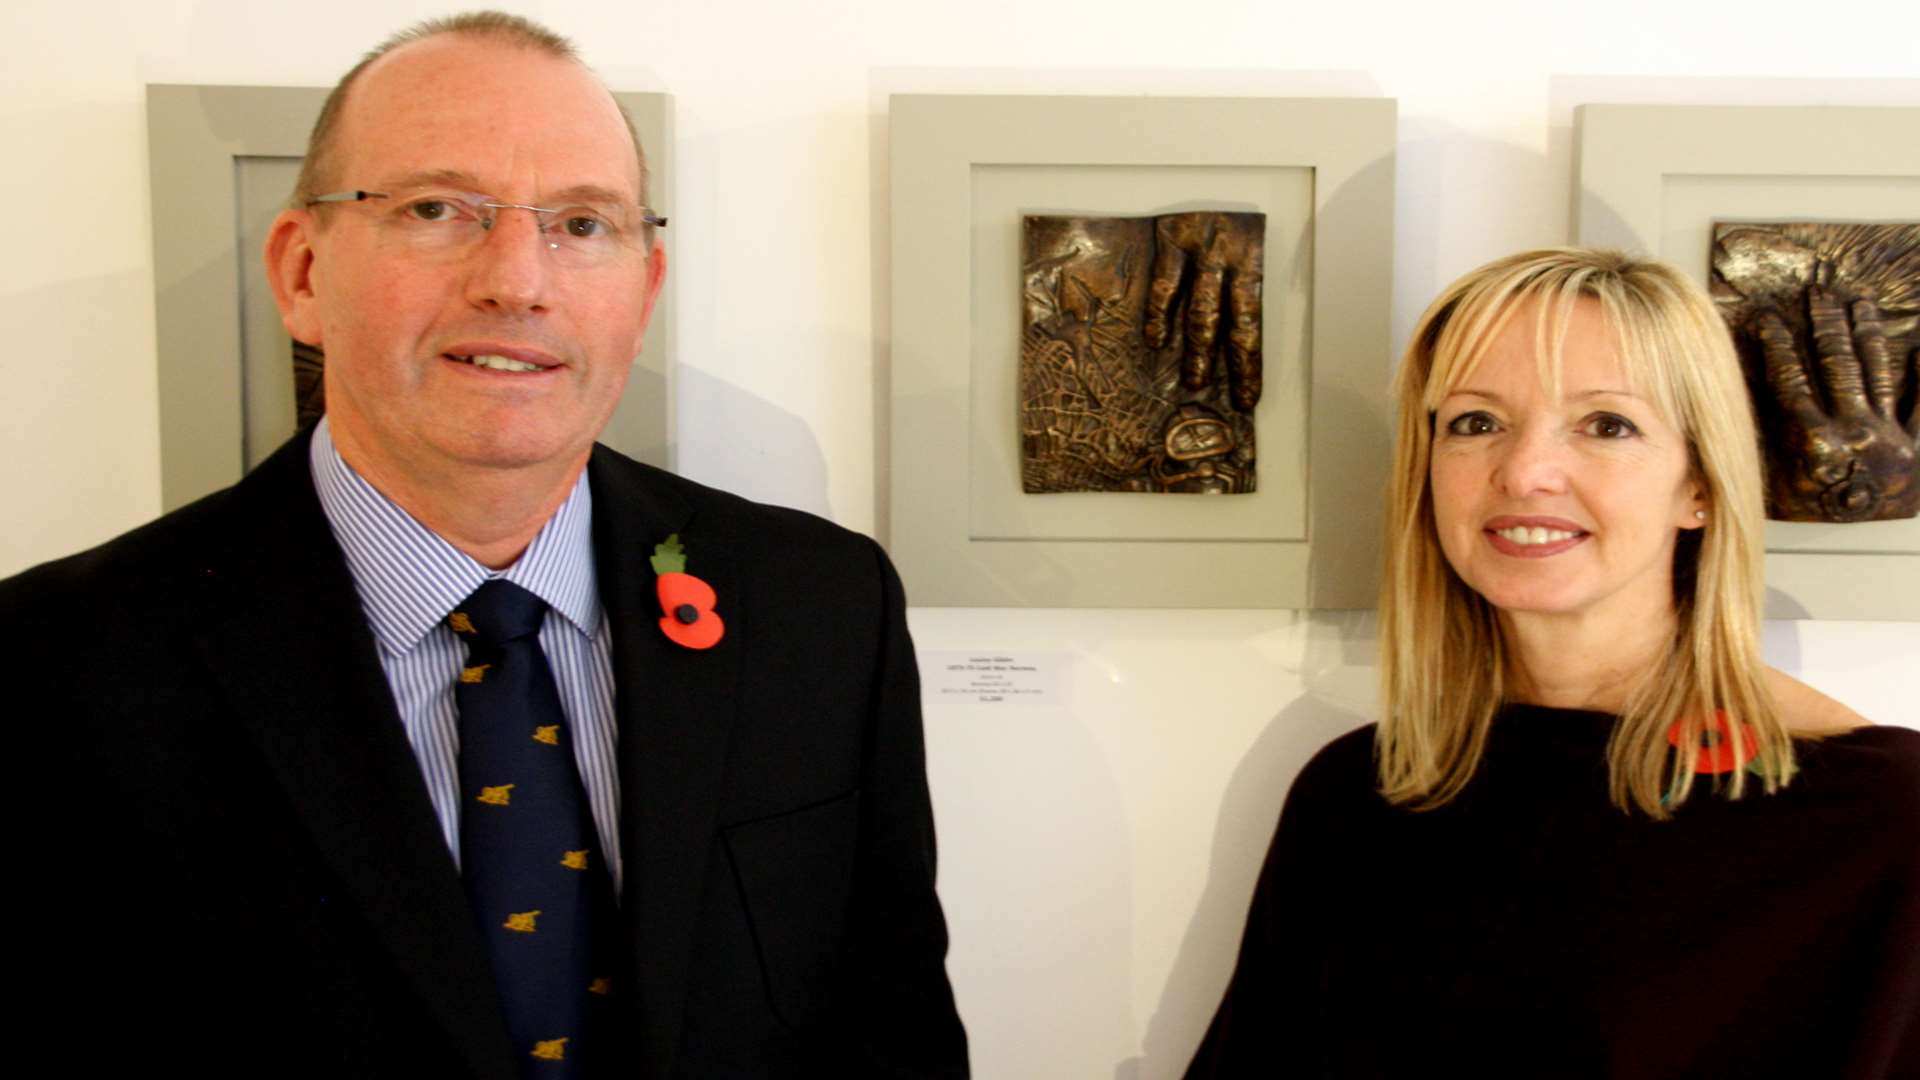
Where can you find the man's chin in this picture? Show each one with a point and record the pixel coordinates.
(508, 452)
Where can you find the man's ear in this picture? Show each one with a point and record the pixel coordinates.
(656, 277)
(289, 266)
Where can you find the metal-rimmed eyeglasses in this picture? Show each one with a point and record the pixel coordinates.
(441, 222)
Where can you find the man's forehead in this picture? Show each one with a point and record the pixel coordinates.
(498, 112)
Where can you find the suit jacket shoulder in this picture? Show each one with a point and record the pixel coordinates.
(241, 831)
(777, 783)
(258, 843)
(648, 498)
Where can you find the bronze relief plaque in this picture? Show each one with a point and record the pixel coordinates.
(1826, 318)
(1140, 357)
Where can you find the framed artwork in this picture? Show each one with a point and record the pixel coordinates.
(1685, 182)
(990, 198)
(223, 160)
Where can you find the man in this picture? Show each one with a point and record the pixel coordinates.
(254, 728)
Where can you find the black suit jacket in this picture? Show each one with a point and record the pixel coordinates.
(236, 866)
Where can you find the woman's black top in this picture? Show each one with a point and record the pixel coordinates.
(1531, 928)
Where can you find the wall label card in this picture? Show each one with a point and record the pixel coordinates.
(992, 677)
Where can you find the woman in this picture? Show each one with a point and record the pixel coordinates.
(1593, 835)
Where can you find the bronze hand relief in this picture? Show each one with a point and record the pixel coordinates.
(1126, 382)
(1825, 319)
(1852, 458)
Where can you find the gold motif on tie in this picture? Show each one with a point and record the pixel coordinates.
(498, 795)
(574, 860)
(547, 733)
(550, 1050)
(602, 985)
(460, 623)
(475, 673)
(521, 921)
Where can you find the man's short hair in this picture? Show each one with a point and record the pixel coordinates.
(316, 171)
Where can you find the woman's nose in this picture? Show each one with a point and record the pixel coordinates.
(1532, 461)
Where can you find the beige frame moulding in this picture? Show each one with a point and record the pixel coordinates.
(1654, 179)
(958, 520)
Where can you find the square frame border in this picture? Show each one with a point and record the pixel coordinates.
(936, 140)
(196, 136)
(1003, 196)
(1623, 156)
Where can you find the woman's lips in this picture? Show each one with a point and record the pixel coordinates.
(1533, 537)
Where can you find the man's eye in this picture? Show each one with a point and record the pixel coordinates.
(585, 223)
(1609, 426)
(1472, 423)
(430, 210)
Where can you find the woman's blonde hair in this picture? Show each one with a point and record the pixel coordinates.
(1444, 663)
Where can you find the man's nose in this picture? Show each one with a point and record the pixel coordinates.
(510, 263)
(1532, 461)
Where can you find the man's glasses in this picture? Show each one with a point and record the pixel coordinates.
(450, 223)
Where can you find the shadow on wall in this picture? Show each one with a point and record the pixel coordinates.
(734, 439)
(1342, 642)
(1780, 634)
(1036, 861)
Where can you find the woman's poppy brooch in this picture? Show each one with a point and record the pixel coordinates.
(687, 602)
(1724, 744)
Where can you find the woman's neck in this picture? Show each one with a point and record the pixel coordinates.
(1582, 662)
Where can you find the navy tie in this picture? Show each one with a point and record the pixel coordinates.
(529, 857)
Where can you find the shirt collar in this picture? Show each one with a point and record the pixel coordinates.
(409, 578)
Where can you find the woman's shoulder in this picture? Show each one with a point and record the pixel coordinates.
(1344, 755)
(1839, 749)
(1342, 769)
(1807, 711)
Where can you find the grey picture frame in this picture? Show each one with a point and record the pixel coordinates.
(221, 162)
(1654, 179)
(960, 529)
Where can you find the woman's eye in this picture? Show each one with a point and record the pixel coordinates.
(1609, 426)
(1472, 423)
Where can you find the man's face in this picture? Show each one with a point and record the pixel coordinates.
(399, 324)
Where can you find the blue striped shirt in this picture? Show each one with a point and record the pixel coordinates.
(409, 579)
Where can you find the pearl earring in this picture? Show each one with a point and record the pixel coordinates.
(1699, 515)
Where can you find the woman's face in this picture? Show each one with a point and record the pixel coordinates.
(1564, 505)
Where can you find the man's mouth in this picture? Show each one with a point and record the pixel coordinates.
(495, 362)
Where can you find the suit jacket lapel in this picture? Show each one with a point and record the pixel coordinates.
(299, 663)
(675, 707)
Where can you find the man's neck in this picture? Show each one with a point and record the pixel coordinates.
(491, 514)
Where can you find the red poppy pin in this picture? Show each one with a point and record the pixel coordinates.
(687, 601)
(1724, 744)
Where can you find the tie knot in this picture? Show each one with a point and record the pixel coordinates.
(498, 612)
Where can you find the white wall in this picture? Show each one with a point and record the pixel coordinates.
(1097, 856)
